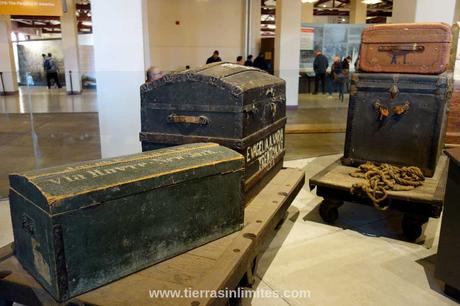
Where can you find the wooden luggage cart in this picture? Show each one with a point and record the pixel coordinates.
(217, 265)
(418, 205)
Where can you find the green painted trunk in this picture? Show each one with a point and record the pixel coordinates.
(80, 226)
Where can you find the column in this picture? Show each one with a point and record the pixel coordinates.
(254, 35)
(307, 12)
(358, 12)
(119, 31)
(287, 47)
(423, 11)
(70, 48)
(7, 66)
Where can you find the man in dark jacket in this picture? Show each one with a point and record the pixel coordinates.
(320, 67)
(248, 61)
(214, 58)
(260, 62)
(51, 70)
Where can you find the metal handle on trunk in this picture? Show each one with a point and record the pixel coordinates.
(201, 120)
(409, 48)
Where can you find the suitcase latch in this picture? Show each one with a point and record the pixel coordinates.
(394, 92)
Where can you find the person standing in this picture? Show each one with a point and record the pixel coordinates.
(346, 73)
(320, 65)
(248, 61)
(239, 60)
(214, 58)
(51, 70)
(46, 67)
(260, 62)
(338, 77)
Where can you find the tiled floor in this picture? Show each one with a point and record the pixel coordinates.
(360, 261)
(32, 141)
(44, 100)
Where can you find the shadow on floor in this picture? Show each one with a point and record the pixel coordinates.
(366, 220)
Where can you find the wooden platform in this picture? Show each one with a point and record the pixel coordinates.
(317, 128)
(334, 184)
(215, 266)
(432, 190)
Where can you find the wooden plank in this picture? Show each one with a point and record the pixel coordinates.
(185, 272)
(216, 265)
(239, 255)
(316, 128)
(211, 250)
(338, 176)
(6, 251)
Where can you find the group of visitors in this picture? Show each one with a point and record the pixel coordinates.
(51, 70)
(338, 74)
(155, 73)
(259, 61)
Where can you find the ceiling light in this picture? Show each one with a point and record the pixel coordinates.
(371, 1)
(309, 1)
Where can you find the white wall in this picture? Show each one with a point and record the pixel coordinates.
(120, 66)
(287, 47)
(423, 11)
(205, 25)
(7, 65)
(86, 52)
(438, 11)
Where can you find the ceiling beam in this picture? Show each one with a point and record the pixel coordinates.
(321, 2)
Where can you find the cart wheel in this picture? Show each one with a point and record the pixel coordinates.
(412, 226)
(329, 213)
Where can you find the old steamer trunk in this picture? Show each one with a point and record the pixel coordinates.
(422, 48)
(240, 107)
(81, 226)
(398, 119)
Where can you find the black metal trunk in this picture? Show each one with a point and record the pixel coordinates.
(80, 226)
(239, 107)
(398, 119)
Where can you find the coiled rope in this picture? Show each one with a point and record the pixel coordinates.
(383, 178)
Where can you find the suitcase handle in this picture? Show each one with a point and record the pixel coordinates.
(201, 120)
(408, 48)
(384, 112)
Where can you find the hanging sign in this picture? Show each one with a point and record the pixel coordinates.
(31, 7)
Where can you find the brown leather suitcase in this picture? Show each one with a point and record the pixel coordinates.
(420, 48)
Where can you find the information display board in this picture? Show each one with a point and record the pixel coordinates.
(31, 7)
